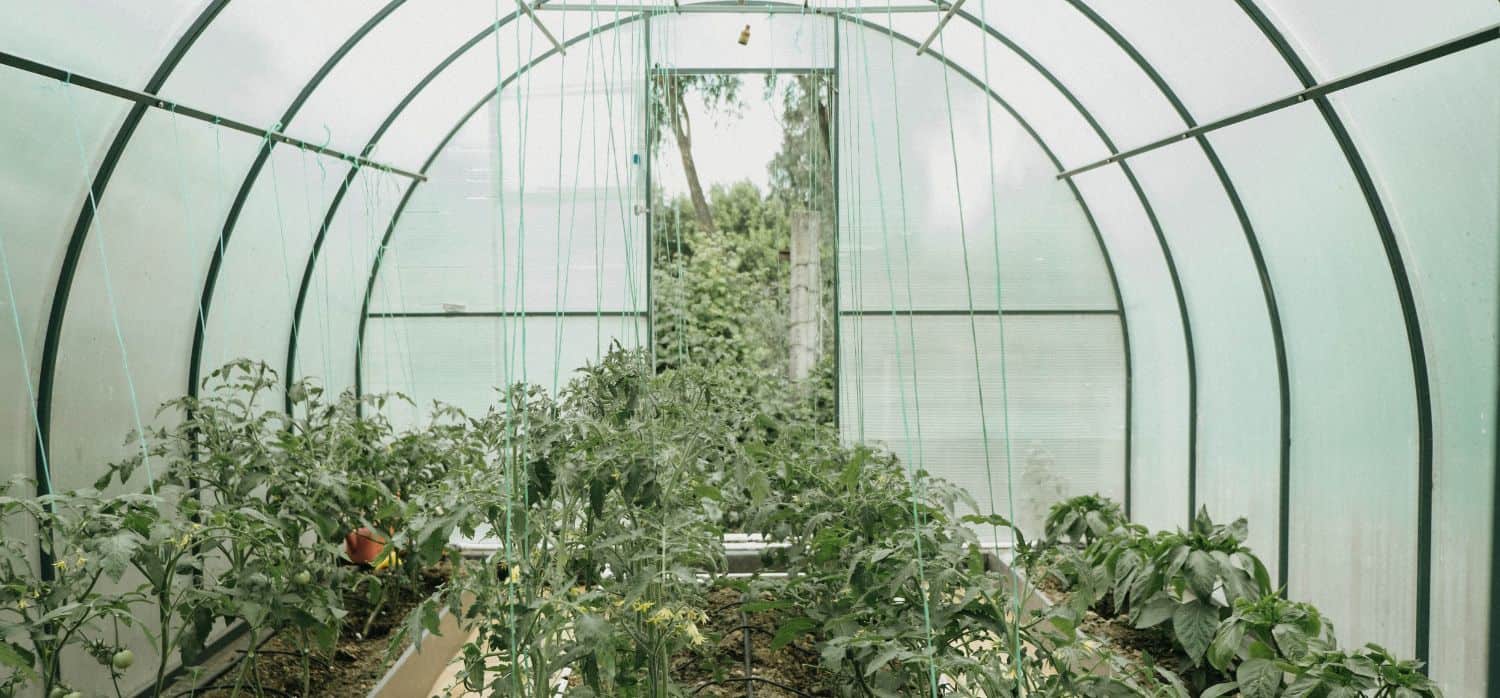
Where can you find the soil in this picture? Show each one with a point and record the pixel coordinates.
(356, 663)
(717, 668)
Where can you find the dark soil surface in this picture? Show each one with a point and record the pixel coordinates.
(717, 668)
(354, 666)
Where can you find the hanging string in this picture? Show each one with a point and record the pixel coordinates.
(15, 315)
(109, 289)
(1010, 495)
(896, 344)
(314, 227)
(182, 198)
(506, 461)
(219, 187)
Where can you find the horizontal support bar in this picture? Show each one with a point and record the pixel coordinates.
(1432, 53)
(950, 312)
(152, 100)
(511, 314)
(659, 70)
(749, 8)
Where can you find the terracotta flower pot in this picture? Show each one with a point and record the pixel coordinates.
(364, 546)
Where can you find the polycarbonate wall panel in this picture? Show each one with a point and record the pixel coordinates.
(1211, 54)
(254, 57)
(913, 200)
(1158, 356)
(1082, 57)
(336, 288)
(117, 42)
(1338, 37)
(1055, 120)
(1420, 131)
(139, 275)
(1065, 381)
(263, 262)
(52, 138)
(457, 360)
(1239, 411)
(42, 184)
(576, 226)
(907, 218)
(1354, 442)
(378, 71)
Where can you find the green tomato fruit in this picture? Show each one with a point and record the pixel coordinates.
(74, 694)
(122, 659)
(303, 578)
(58, 692)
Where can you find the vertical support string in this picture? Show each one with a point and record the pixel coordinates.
(109, 291)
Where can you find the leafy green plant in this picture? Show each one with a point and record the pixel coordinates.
(1082, 520)
(1266, 628)
(1369, 671)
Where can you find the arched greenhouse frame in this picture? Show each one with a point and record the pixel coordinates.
(1203, 260)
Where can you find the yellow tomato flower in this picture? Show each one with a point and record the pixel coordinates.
(691, 630)
(642, 606)
(661, 617)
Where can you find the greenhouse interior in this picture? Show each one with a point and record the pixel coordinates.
(405, 348)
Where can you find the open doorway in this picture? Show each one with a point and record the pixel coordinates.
(743, 230)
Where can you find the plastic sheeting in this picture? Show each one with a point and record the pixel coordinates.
(1349, 245)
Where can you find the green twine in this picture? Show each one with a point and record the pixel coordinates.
(1015, 636)
(896, 340)
(109, 292)
(15, 314)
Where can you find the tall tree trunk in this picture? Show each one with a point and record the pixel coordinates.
(682, 130)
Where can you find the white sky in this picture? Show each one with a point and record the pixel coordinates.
(725, 149)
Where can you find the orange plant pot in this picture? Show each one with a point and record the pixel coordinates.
(364, 546)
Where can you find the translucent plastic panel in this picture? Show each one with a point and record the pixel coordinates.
(711, 40)
(140, 275)
(571, 199)
(41, 187)
(1086, 61)
(1065, 378)
(908, 210)
(336, 289)
(1239, 413)
(125, 342)
(1422, 131)
(1061, 126)
(1158, 355)
(117, 42)
(373, 77)
(458, 360)
(257, 286)
(1354, 455)
(1209, 52)
(254, 57)
(600, 48)
(1337, 37)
